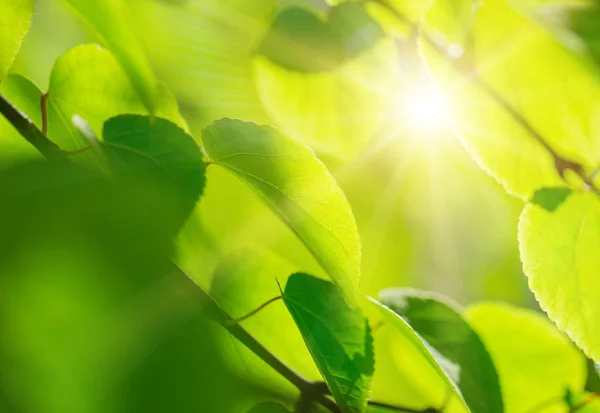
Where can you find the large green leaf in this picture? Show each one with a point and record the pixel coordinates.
(243, 281)
(110, 21)
(559, 254)
(435, 361)
(145, 148)
(337, 336)
(15, 20)
(536, 363)
(25, 96)
(88, 81)
(511, 54)
(298, 187)
(442, 328)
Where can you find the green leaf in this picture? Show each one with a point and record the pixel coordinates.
(298, 187)
(15, 20)
(149, 148)
(512, 54)
(550, 198)
(243, 281)
(25, 96)
(434, 360)
(108, 19)
(442, 328)
(87, 81)
(269, 407)
(337, 336)
(559, 254)
(536, 362)
(300, 40)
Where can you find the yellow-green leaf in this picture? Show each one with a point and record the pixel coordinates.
(109, 20)
(15, 20)
(536, 362)
(298, 187)
(559, 254)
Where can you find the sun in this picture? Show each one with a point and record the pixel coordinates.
(425, 108)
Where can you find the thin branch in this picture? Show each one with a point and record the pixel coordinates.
(401, 408)
(592, 397)
(44, 111)
(29, 131)
(561, 163)
(256, 310)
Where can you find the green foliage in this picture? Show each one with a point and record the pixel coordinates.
(95, 315)
(337, 336)
(15, 20)
(298, 187)
(458, 349)
(109, 20)
(558, 255)
(437, 362)
(99, 91)
(536, 363)
(148, 148)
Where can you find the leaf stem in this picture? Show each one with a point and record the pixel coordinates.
(561, 163)
(592, 397)
(402, 409)
(29, 131)
(255, 311)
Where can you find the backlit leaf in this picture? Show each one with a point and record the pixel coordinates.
(559, 254)
(442, 328)
(15, 20)
(298, 187)
(536, 363)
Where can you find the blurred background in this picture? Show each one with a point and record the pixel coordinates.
(428, 216)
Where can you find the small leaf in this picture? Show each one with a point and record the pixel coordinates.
(108, 19)
(550, 198)
(152, 148)
(337, 336)
(559, 254)
(440, 325)
(87, 81)
(298, 187)
(15, 20)
(435, 360)
(268, 407)
(535, 362)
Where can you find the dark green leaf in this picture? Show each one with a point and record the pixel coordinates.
(337, 336)
(355, 28)
(447, 334)
(146, 147)
(550, 198)
(592, 383)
